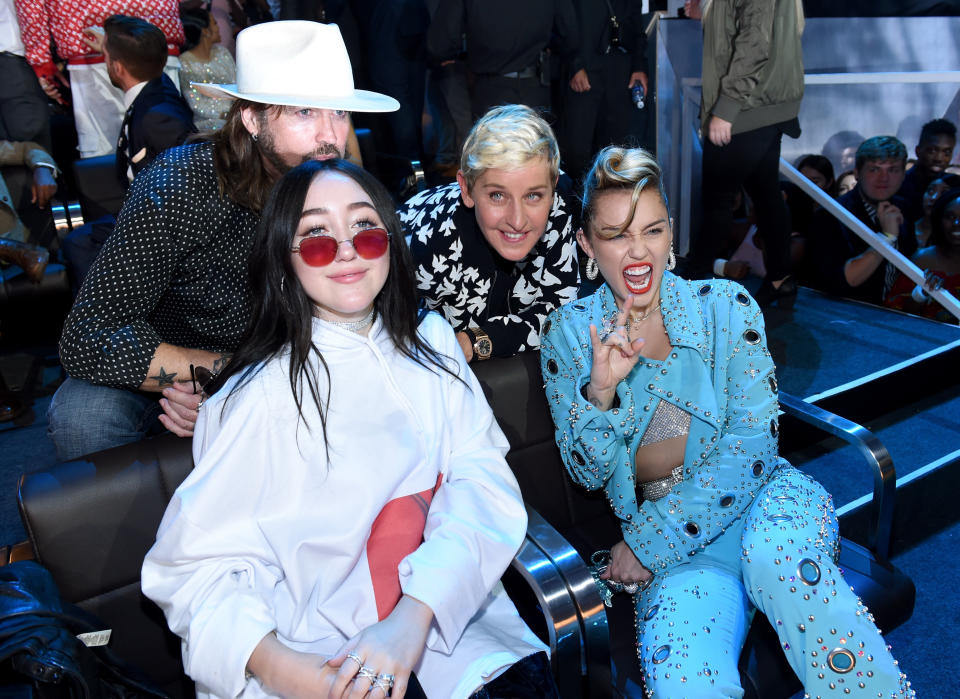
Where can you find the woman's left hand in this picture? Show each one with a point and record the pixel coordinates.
(624, 566)
(390, 647)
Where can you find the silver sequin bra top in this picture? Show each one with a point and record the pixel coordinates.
(668, 421)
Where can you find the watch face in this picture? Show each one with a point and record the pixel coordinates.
(484, 347)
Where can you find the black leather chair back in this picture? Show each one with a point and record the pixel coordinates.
(514, 388)
(91, 522)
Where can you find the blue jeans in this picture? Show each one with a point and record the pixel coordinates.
(779, 559)
(84, 418)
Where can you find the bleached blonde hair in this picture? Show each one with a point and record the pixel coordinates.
(621, 169)
(508, 137)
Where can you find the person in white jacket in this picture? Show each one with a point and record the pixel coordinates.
(350, 512)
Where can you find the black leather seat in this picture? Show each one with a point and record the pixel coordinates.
(99, 190)
(91, 522)
(514, 388)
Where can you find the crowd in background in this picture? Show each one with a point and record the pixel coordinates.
(247, 249)
(583, 65)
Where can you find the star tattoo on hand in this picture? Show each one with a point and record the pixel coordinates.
(163, 378)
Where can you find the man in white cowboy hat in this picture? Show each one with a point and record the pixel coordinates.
(169, 292)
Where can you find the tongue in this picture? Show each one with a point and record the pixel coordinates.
(636, 282)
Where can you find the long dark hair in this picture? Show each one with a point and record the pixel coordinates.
(282, 317)
(241, 173)
(195, 20)
(822, 165)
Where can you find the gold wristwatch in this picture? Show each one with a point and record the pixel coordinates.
(482, 347)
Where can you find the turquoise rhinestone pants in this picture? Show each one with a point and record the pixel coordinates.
(779, 559)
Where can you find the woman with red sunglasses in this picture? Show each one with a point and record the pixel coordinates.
(350, 513)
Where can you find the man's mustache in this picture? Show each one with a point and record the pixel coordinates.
(324, 149)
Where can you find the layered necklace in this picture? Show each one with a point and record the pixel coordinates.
(639, 318)
(355, 326)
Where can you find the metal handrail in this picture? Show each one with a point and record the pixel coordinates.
(876, 455)
(559, 611)
(594, 636)
(917, 77)
(690, 98)
(871, 238)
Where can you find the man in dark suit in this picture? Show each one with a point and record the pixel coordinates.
(610, 60)
(848, 266)
(156, 118)
(506, 46)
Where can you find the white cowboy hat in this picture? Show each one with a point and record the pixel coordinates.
(299, 64)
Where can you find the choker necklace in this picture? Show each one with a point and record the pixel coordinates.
(634, 322)
(355, 326)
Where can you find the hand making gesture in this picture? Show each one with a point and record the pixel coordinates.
(613, 358)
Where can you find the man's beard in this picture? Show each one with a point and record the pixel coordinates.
(269, 151)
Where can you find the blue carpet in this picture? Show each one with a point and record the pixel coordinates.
(927, 645)
(22, 450)
(915, 435)
(826, 342)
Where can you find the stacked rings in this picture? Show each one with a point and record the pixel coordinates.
(367, 673)
(384, 681)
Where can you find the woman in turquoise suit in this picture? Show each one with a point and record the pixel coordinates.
(663, 394)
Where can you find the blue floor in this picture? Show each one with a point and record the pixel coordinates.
(928, 644)
(826, 342)
(915, 436)
(822, 344)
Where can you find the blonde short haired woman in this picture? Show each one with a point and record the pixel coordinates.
(495, 250)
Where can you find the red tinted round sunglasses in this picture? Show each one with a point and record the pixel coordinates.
(321, 250)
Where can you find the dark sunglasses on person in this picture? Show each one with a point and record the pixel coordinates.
(321, 250)
(200, 376)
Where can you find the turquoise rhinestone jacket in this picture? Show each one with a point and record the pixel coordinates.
(719, 370)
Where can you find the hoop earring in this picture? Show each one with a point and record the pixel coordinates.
(592, 269)
(283, 280)
(672, 259)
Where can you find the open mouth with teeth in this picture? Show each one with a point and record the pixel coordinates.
(513, 237)
(638, 278)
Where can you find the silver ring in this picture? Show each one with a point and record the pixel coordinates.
(384, 682)
(355, 658)
(631, 588)
(366, 673)
(600, 558)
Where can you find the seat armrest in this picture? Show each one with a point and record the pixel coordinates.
(872, 450)
(571, 606)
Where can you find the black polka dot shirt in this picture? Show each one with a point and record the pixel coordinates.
(174, 270)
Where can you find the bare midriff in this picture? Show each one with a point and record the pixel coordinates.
(655, 461)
